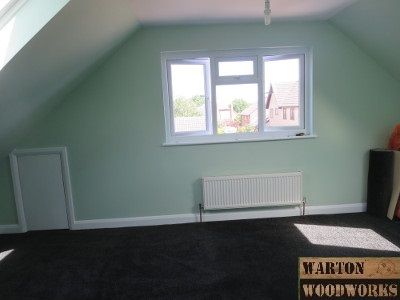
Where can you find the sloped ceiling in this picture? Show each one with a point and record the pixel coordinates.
(374, 26)
(78, 36)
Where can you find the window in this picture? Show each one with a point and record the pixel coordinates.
(188, 88)
(237, 95)
(284, 114)
(236, 68)
(8, 8)
(5, 5)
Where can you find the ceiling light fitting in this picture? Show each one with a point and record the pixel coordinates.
(267, 12)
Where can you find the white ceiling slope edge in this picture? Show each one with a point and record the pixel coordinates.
(374, 26)
(205, 11)
(22, 21)
(78, 36)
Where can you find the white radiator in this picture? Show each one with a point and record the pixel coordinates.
(252, 191)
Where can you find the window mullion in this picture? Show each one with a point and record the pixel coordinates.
(208, 97)
(169, 102)
(303, 104)
(213, 70)
(261, 96)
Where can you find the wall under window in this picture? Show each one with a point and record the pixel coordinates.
(113, 125)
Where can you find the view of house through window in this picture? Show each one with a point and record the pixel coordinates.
(222, 98)
(282, 92)
(237, 108)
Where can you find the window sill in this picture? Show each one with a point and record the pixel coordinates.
(191, 143)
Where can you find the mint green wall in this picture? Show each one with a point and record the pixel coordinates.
(113, 126)
(8, 213)
(374, 26)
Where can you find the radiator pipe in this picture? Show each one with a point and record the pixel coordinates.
(201, 212)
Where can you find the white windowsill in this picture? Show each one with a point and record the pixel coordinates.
(311, 136)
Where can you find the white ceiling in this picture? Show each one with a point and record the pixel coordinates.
(201, 11)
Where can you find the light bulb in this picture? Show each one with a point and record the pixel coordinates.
(267, 19)
(267, 12)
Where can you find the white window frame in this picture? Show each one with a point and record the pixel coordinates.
(302, 128)
(8, 12)
(258, 56)
(170, 105)
(235, 79)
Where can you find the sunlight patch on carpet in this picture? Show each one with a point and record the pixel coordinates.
(348, 237)
(4, 254)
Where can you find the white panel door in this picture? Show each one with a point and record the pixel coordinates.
(42, 190)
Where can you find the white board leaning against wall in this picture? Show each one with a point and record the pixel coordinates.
(42, 188)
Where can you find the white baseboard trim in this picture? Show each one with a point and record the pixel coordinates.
(10, 228)
(207, 217)
(135, 221)
(217, 216)
(336, 209)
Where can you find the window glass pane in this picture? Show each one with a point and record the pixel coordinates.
(282, 92)
(3, 4)
(235, 68)
(188, 94)
(237, 108)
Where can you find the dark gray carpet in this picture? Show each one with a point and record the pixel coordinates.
(250, 259)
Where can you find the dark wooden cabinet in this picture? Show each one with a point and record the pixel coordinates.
(382, 181)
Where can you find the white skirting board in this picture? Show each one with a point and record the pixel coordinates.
(218, 216)
(207, 217)
(11, 228)
(135, 221)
